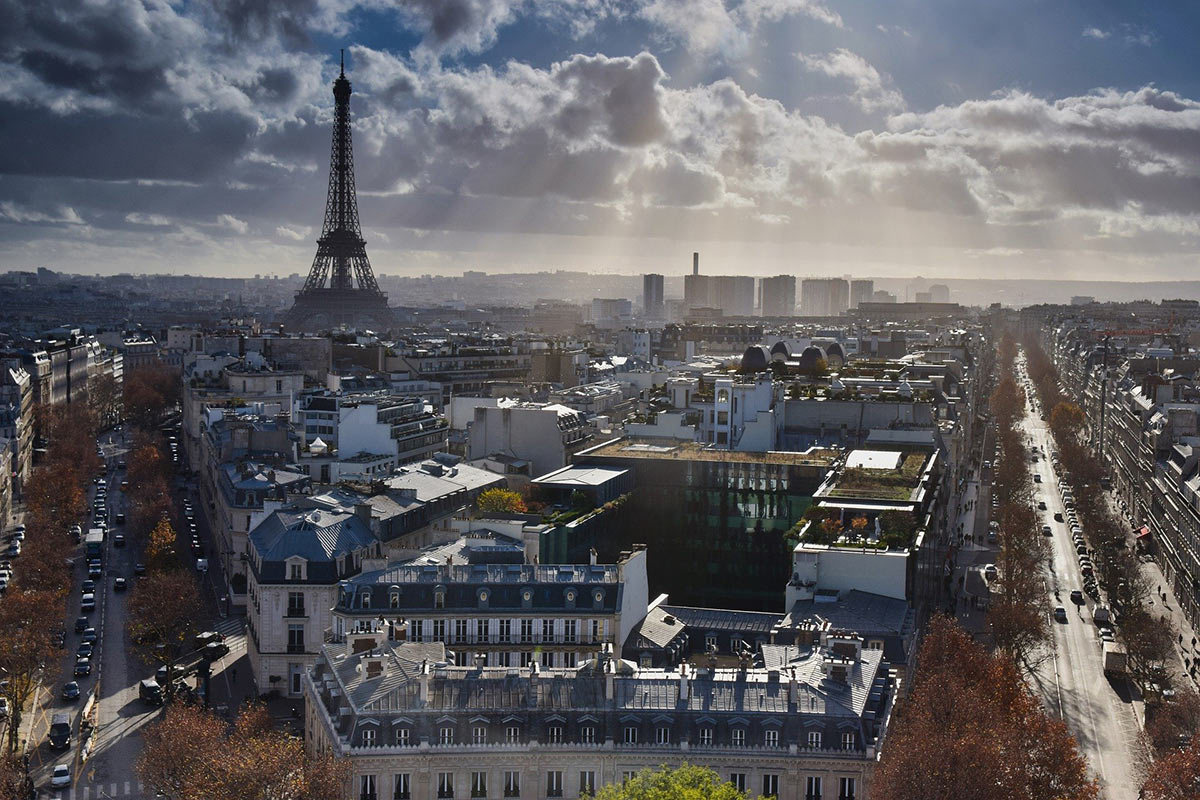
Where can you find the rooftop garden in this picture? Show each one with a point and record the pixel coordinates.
(890, 530)
(885, 484)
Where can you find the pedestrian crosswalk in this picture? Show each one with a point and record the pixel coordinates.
(234, 631)
(135, 790)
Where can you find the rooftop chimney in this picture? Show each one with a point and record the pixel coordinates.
(695, 263)
(683, 681)
(374, 666)
(423, 683)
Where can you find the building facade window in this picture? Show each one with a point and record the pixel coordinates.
(569, 631)
(479, 734)
(631, 734)
(512, 783)
(445, 785)
(367, 788)
(547, 630)
(739, 737)
(738, 779)
(295, 606)
(814, 739)
(526, 631)
(446, 735)
(771, 738)
(587, 782)
(505, 634)
(296, 572)
(439, 630)
(812, 788)
(402, 786)
(554, 783)
(569, 660)
(512, 734)
(706, 736)
(478, 784)
(526, 658)
(846, 789)
(460, 631)
(662, 735)
(554, 734)
(848, 740)
(296, 638)
(402, 737)
(368, 737)
(587, 735)
(770, 785)
(547, 658)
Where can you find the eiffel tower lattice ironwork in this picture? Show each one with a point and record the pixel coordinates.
(330, 296)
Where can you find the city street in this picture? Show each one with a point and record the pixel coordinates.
(1098, 712)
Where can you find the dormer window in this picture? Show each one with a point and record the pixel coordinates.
(296, 571)
(598, 599)
(364, 598)
(439, 597)
(394, 597)
(569, 597)
(483, 595)
(526, 597)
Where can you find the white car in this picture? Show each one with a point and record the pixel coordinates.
(61, 776)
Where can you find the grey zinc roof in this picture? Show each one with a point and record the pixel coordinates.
(747, 622)
(313, 535)
(863, 612)
(656, 629)
(581, 476)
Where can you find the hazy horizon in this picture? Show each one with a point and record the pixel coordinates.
(935, 138)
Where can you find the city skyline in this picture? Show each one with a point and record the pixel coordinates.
(789, 137)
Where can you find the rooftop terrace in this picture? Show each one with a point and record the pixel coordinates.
(695, 451)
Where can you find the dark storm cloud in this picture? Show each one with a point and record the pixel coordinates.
(248, 21)
(120, 146)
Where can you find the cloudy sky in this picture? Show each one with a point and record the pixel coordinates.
(1051, 138)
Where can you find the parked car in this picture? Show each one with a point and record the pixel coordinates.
(139, 569)
(87, 603)
(89, 635)
(84, 650)
(89, 586)
(1060, 613)
(80, 624)
(1077, 597)
(83, 668)
(120, 585)
(70, 691)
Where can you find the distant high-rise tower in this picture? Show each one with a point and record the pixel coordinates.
(695, 263)
(861, 291)
(652, 296)
(824, 297)
(341, 252)
(777, 296)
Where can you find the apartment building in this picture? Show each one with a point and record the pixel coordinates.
(414, 726)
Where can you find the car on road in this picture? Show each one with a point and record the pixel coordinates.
(83, 668)
(88, 586)
(61, 778)
(139, 568)
(1060, 613)
(1106, 634)
(89, 635)
(119, 540)
(202, 565)
(84, 650)
(87, 603)
(1046, 530)
(120, 585)
(1077, 597)
(1037, 477)
(120, 465)
(70, 691)
(120, 520)
(1041, 505)
(1058, 517)
(80, 624)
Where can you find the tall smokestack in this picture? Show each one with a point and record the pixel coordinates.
(695, 263)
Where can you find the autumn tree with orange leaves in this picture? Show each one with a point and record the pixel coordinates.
(256, 762)
(992, 741)
(162, 619)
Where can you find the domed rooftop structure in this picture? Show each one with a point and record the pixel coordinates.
(755, 359)
(780, 351)
(811, 357)
(835, 355)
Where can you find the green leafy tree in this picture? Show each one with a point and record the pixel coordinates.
(503, 501)
(685, 782)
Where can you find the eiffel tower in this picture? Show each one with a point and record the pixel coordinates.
(341, 252)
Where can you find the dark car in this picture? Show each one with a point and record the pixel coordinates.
(139, 569)
(119, 540)
(84, 650)
(1077, 597)
(89, 635)
(120, 585)
(70, 691)
(89, 586)
(81, 624)
(120, 518)
(83, 668)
